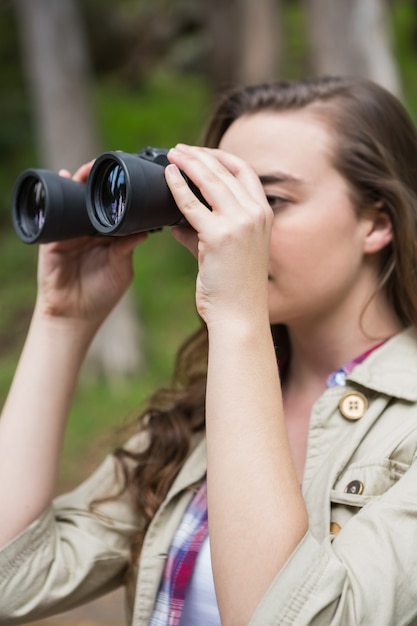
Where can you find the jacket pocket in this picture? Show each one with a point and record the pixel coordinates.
(360, 484)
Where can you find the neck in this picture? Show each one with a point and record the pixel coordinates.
(320, 347)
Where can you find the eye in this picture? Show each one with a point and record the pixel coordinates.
(276, 202)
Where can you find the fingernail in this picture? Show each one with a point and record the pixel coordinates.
(173, 171)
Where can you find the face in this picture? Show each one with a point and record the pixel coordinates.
(318, 267)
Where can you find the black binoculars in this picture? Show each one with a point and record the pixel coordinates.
(124, 194)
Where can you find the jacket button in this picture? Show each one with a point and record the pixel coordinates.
(355, 486)
(353, 405)
(334, 528)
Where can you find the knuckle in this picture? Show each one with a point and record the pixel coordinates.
(190, 203)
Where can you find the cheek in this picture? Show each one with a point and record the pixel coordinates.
(311, 247)
(294, 246)
(289, 258)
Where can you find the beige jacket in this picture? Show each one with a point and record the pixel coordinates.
(356, 565)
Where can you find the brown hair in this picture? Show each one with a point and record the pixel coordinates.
(376, 152)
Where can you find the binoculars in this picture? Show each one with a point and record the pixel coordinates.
(124, 194)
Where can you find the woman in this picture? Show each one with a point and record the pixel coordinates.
(312, 232)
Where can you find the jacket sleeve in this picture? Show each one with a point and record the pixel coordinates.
(71, 554)
(365, 575)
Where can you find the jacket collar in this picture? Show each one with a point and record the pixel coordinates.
(392, 368)
(194, 468)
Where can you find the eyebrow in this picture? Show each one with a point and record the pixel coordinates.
(280, 177)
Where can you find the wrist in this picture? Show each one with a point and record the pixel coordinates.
(245, 328)
(74, 334)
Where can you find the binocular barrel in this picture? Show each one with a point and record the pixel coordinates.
(124, 194)
(48, 207)
(127, 194)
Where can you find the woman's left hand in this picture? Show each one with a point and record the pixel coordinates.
(232, 241)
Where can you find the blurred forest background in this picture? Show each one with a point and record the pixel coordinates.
(79, 77)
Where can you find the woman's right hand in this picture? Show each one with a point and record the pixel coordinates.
(82, 279)
(79, 281)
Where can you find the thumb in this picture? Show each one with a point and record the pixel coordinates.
(186, 236)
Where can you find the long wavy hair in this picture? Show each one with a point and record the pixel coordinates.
(376, 153)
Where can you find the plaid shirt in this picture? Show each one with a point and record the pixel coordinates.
(180, 563)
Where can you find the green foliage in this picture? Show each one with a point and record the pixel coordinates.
(404, 30)
(16, 142)
(17, 292)
(168, 109)
(296, 56)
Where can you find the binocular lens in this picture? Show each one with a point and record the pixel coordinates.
(124, 194)
(32, 207)
(113, 195)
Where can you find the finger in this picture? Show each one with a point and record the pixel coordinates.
(82, 173)
(206, 173)
(192, 209)
(187, 237)
(224, 180)
(123, 246)
(241, 170)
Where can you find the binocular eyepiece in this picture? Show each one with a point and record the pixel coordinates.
(125, 194)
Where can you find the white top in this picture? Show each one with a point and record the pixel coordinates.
(200, 605)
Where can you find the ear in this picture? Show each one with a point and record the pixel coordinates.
(379, 231)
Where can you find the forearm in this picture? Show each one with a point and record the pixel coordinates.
(34, 417)
(256, 512)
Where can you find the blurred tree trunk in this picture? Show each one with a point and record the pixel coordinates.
(56, 62)
(244, 43)
(353, 38)
(260, 41)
